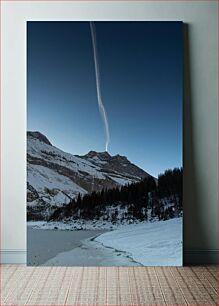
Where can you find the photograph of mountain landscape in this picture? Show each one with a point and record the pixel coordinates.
(104, 143)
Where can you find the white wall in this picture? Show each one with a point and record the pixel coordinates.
(200, 110)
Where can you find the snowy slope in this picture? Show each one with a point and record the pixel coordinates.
(147, 243)
(54, 189)
(54, 177)
(151, 244)
(38, 149)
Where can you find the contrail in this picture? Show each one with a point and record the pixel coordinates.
(97, 74)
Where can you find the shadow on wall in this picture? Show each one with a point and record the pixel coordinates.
(192, 228)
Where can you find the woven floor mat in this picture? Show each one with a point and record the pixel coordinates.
(131, 286)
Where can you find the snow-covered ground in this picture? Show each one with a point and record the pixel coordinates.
(91, 253)
(60, 188)
(151, 244)
(77, 225)
(55, 177)
(105, 221)
(157, 243)
(121, 180)
(39, 149)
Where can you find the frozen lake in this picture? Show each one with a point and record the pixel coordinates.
(71, 248)
(148, 243)
(45, 244)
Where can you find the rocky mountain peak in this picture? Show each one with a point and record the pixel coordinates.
(39, 136)
(120, 157)
(63, 176)
(102, 155)
(105, 156)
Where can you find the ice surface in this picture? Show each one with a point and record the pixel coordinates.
(151, 244)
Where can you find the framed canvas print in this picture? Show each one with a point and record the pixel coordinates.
(104, 143)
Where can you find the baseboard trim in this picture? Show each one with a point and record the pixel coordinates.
(13, 256)
(200, 257)
(190, 257)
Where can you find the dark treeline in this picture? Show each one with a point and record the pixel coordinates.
(137, 197)
(170, 185)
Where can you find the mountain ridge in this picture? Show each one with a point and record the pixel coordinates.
(54, 176)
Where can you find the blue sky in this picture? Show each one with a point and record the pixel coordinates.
(141, 67)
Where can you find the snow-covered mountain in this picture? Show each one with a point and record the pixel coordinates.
(55, 177)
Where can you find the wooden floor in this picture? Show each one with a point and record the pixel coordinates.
(81, 286)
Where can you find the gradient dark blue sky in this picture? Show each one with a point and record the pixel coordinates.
(141, 80)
